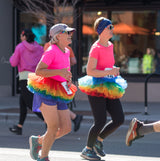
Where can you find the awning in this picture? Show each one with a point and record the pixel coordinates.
(123, 28)
(87, 30)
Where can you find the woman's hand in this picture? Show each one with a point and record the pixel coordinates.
(69, 83)
(114, 71)
(66, 74)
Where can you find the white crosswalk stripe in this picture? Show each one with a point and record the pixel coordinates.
(9, 154)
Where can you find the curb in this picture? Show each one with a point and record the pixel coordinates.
(13, 117)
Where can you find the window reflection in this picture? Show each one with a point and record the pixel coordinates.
(134, 32)
(37, 23)
(135, 36)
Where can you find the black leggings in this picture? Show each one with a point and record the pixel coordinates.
(26, 99)
(100, 106)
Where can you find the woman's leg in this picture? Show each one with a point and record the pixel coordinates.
(64, 123)
(28, 98)
(23, 106)
(156, 126)
(17, 129)
(115, 110)
(64, 126)
(98, 106)
(51, 117)
(148, 128)
(72, 115)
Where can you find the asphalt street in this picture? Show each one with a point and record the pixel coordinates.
(69, 147)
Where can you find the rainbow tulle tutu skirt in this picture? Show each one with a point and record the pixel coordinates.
(107, 87)
(50, 88)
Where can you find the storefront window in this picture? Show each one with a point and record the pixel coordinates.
(136, 40)
(39, 22)
(36, 23)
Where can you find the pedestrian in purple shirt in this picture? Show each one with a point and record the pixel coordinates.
(26, 57)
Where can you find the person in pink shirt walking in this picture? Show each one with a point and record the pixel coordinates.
(53, 89)
(26, 57)
(104, 87)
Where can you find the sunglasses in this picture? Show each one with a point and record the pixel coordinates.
(111, 27)
(67, 32)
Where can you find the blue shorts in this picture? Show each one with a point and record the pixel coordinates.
(38, 100)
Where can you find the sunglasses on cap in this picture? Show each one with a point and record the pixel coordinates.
(111, 27)
(67, 32)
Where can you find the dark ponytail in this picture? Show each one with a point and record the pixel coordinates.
(29, 35)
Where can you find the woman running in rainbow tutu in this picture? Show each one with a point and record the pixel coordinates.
(53, 89)
(104, 86)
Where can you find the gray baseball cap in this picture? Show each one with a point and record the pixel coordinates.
(56, 29)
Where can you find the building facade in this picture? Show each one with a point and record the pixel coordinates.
(6, 46)
(136, 39)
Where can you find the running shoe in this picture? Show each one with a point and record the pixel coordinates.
(89, 154)
(43, 159)
(98, 148)
(77, 122)
(35, 147)
(132, 133)
(15, 129)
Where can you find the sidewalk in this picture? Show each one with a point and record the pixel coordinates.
(9, 109)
